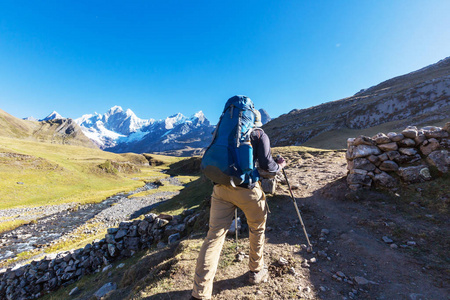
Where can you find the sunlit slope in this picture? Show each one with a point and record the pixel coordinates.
(63, 131)
(36, 173)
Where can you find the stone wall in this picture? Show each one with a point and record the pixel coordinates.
(388, 159)
(40, 277)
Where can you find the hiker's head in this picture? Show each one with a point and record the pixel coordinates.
(258, 122)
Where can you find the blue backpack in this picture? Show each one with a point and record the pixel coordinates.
(229, 158)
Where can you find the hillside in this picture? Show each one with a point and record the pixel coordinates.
(419, 98)
(59, 131)
(41, 173)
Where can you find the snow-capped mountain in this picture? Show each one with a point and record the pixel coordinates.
(53, 116)
(122, 131)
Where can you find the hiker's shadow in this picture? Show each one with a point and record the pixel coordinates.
(219, 286)
(174, 295)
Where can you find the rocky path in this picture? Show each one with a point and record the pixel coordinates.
(358, 252)
(59, 223)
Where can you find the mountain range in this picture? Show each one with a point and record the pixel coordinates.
(122, 131)
(418, 98)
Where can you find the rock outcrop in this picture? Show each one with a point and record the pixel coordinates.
(387, 159)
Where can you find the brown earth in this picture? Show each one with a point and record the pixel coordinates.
(346, 229)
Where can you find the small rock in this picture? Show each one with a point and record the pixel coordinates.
(361, 280)
(313, 260)
(110, 286)
(414, 296)
(340, 274)
(293, 272)
(240, 256)
(305, 264)
(120, 266)
(387, 240)
(174, 238)
(282, 261)
(323, 289)
(74, 291)
(161, 245)
(411, 243)
(107, 268)
(394, 246)
(325, 231)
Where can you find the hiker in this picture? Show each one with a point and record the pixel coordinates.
(250, 198)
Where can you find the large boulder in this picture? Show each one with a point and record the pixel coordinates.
(408, 151)
(362, 164)
(414, 173)
(363, 140)
(435, 132)
(395, 137)
(381, 138)
(440, 159)
(447, 127)
(388, 165)
(406, 143)
(410, 132)
(359, 179)
(388, 147)
(364, 150)
(429, 146)
(385, 180)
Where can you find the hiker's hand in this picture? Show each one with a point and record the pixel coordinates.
(280, 161)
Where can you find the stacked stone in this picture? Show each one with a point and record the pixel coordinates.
(387, 159)
(40, 277)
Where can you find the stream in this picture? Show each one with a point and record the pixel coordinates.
(58, 223)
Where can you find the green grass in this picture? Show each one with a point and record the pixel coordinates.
(44, 173)
(9, 225)
(337, 139)
(190, 197)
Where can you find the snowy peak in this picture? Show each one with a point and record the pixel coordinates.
(53, 116)
(172, 121)
(120, 130)
(114, 110)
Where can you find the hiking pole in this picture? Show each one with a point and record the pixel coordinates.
(309, 249)
(236, 227)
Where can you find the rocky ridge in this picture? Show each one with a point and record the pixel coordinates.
(420, 97)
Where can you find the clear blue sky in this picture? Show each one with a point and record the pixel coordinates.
(163, 57)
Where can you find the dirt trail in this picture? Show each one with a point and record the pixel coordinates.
(350, 259)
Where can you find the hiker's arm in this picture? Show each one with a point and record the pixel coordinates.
(264, 156)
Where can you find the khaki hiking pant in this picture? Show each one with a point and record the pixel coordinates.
(223, 203)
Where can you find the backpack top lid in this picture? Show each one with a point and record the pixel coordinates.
(241, 102)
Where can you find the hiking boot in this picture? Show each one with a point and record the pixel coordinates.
(259, 277)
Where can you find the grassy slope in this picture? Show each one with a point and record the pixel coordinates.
(54, 174)
(337, 139)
